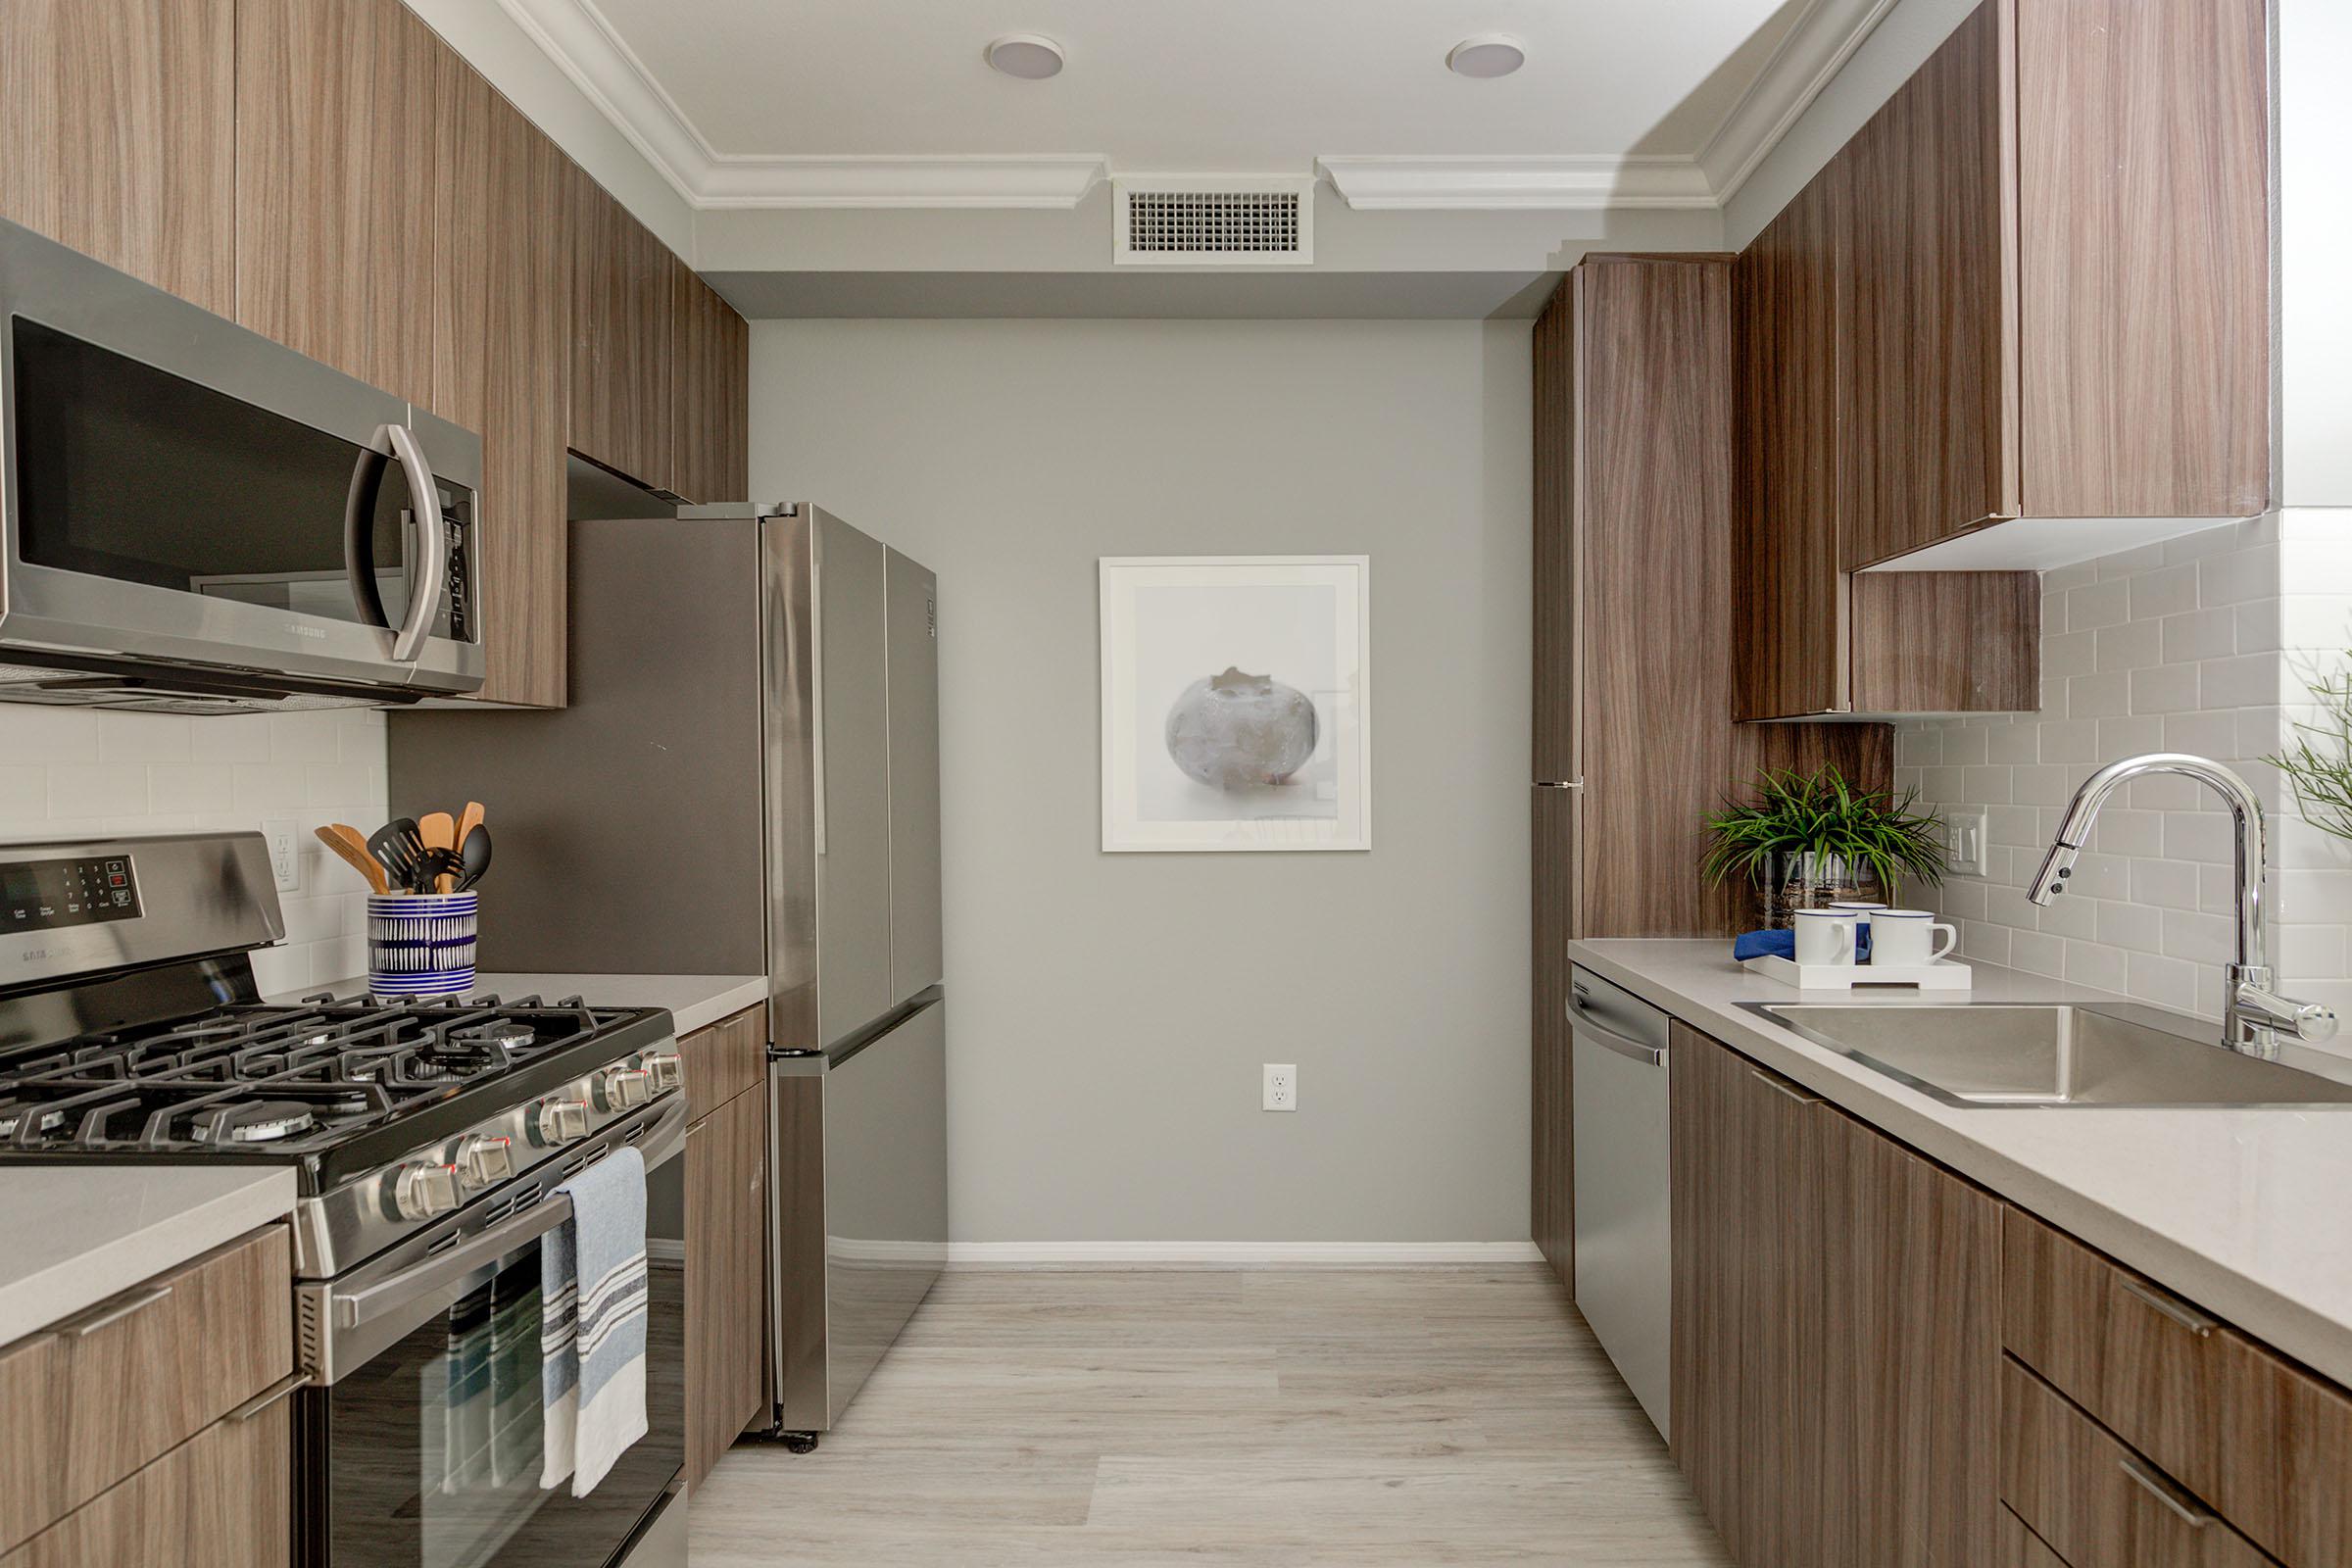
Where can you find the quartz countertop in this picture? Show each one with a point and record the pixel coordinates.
(693, 1001)
(2238, 1210)
(73, 1234)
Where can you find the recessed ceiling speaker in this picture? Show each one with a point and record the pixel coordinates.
(1489, 54)
(1030, 56)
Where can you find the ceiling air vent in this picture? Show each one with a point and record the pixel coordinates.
(1213, 220)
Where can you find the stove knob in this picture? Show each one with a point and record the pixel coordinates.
(420, 1190)
(484, 1159)
(619, 1088)
(665, 1071)
(560, 1121)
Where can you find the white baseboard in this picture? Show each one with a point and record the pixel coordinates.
(1237, 1254)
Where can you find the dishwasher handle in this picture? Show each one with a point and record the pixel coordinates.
(1610, 1040)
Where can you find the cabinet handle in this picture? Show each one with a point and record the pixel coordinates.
(268, 1397)
(2164, 1491)
(1780, 1088)
(83, 1327)
(2195, 1322)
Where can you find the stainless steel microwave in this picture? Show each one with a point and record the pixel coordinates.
(198, 519)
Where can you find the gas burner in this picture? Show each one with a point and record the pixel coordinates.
(46, 1123)
(261, 1121)
(505, 1034)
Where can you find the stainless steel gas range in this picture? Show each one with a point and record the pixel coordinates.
(427, 1138)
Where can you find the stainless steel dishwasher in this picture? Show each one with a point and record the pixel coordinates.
(1624, 1243)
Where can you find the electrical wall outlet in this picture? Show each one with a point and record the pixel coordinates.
(1964, 843)
(1281, 1086)
(285, 839)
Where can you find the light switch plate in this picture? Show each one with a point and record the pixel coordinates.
(1964, 844)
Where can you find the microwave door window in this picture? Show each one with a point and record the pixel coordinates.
(128, 472)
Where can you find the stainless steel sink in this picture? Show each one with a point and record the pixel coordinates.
(2002, 1055)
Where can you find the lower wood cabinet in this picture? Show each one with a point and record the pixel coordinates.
(1836, 1348)
(1551, 1193)
(726, 1277)
(222, 1500)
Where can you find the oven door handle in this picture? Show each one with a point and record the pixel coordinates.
(432, 546)
(356, 1308)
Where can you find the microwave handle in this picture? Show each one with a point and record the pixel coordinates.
(431, 579)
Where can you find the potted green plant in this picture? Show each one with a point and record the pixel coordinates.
(1807, 838)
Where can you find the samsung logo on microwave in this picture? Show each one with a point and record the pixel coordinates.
(300, 630)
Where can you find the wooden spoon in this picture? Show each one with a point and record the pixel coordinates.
(346, 841)
(439, 830)
(468, 820)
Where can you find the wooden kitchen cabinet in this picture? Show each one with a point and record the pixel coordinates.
(1710, 1162)
(726, 1277)
(711, 403)
(222, 1500)
(2265, 1443)
(1834, 1349)
(117, 135)
(501, 340)
(624, 288)
(335, 184)
(1551, 1195)
(1927, 331)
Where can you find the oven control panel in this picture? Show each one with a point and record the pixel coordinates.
(44, 895)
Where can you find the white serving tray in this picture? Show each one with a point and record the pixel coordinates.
(1942, 975)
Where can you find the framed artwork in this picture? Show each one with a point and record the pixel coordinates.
(1237, 703)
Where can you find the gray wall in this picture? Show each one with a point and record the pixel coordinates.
(1109, 1013)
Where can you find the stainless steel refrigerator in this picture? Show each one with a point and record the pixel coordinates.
(747, 781)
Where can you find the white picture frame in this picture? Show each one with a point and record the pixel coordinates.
(1206, 660)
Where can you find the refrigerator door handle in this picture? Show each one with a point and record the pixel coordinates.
(817, 685)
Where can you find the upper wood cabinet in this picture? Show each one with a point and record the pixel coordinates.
(335, 198)
(117, 135)
(625, 295)
(501, 340)
(1928, 316)
(2054, 263)
(711, 395)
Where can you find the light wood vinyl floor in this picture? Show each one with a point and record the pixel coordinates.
(1386, 1417)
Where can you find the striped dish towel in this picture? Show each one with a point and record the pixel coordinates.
(592, 1334)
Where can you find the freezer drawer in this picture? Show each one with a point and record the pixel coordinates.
(860, 1148)
(1624, 1245)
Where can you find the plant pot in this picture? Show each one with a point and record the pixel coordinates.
(1795, 881)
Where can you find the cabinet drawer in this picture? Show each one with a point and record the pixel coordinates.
(93, 1398)
(222, 1500)
(723, 1060)
(2266, 1443)
(2095, 1502)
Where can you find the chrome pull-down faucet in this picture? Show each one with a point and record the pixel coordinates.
(2254, 1012)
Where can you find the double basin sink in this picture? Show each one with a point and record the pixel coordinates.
(2006, 1056)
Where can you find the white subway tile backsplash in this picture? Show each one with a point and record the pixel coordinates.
(79, 773)
(2175, 647)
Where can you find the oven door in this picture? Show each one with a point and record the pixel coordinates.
(426, 1452)
(178, 491)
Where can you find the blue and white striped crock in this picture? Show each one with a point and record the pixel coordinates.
(421, 944)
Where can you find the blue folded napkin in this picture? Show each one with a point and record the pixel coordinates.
(1783, 945)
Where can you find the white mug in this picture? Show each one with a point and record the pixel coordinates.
(1905, 936)
(1825, 936)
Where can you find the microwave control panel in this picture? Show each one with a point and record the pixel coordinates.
(44, 895)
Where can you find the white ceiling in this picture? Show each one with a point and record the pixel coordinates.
(1200, 86)
(890, 103)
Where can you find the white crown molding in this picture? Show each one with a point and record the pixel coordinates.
(1817, 44)
(585, 46)
(576, 35)
(1490, 184)
(1237, 1254)
(975, 181)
